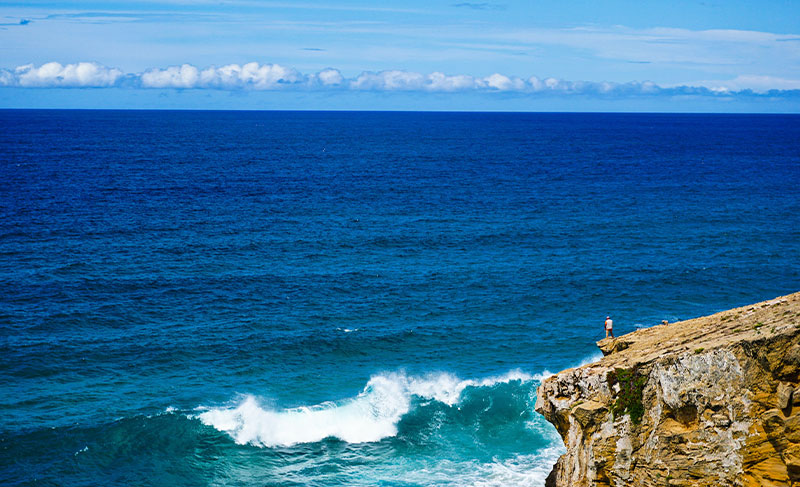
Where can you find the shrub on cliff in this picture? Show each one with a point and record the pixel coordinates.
(629, 397)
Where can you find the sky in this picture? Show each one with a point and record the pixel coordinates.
(533, 55)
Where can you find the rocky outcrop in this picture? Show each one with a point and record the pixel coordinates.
(713, 401)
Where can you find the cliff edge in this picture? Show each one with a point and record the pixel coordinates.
(713, 401)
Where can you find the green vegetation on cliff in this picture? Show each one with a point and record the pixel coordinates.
(629, 398)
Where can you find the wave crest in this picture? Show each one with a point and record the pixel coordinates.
(369, 417)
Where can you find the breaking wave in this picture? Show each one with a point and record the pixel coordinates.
(372, 415)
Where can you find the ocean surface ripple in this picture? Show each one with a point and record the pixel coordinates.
(343, 298)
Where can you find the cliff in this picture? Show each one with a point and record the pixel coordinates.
(713, 401)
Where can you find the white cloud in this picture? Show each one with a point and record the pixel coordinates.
(231, 76)
(255, 76)
(330, 77)
(501, 82)
(185, 76)
(395, 80)
(441, 82)
(7, 78)
(756, 83)
(80, 75)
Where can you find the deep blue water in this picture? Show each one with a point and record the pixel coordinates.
(323, 298)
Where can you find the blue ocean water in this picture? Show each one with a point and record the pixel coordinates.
(341, 298)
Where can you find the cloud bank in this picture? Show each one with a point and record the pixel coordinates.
(54, 75)
(260, 77)
(229, 77)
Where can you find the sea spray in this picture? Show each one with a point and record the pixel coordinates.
(370, 416)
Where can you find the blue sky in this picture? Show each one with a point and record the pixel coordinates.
(719, 56)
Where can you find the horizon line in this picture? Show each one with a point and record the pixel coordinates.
(313, 110)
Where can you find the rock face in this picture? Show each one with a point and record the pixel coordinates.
(713, 401)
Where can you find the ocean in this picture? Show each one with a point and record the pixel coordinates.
(354, 298)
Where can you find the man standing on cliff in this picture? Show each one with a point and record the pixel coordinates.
(609, 327)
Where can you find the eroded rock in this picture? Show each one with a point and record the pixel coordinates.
(718, 401)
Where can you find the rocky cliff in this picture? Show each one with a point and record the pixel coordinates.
(713, 401)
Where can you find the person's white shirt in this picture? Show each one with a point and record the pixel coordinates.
(609, 323)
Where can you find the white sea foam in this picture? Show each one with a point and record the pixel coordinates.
(447, 388)
(529, 470)
(521, 471)
(370, 416)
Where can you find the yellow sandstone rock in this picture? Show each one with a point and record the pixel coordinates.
(713, 401)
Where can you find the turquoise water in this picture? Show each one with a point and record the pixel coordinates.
(324, 298)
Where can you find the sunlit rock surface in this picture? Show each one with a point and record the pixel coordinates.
(719, 402)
